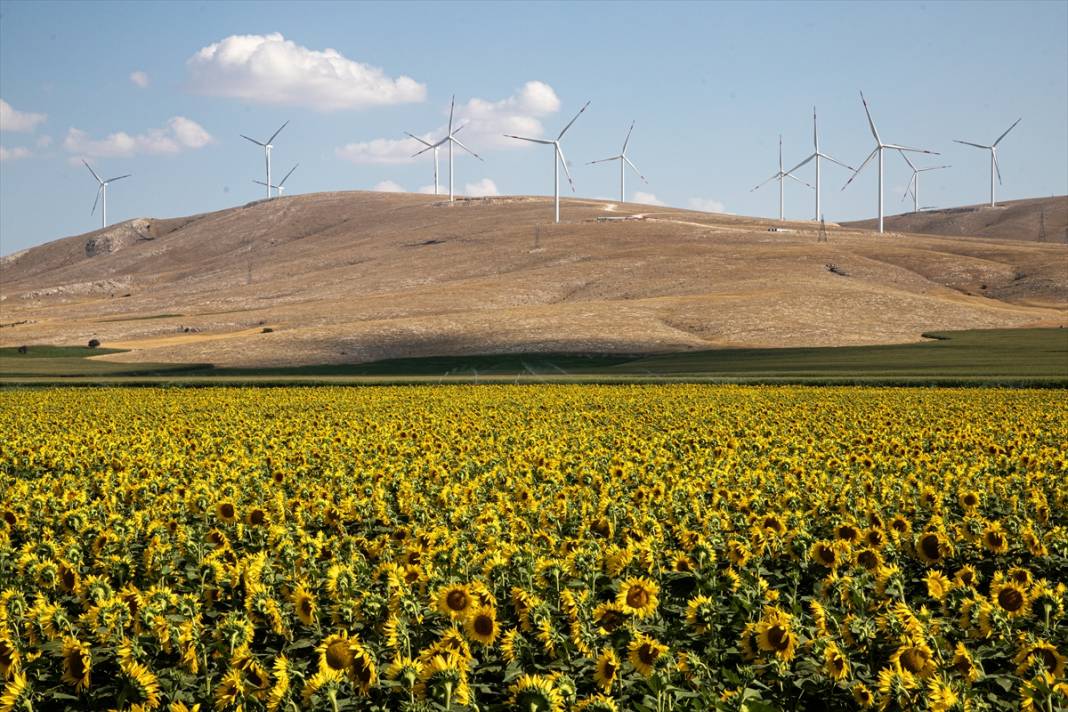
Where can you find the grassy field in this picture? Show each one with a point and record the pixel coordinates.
(1010, 357)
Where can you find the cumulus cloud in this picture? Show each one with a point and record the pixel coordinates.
(388, 186)
(269, 69)
(11, 154)
(484, 125)
(139, 78)
(44, 141)
(645, 198)
(429, 189)
(177, 135)
(708, 205)
(481, 188)
(11, 119)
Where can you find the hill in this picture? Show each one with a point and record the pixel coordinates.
(353, 277)
(1013, 220)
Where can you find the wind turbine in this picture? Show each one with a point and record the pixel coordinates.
(102, 194)
(450, 138)
(281, 183)
(817, 155)
(435, 147)
(914, 183)
(879, 148)
(994, 167)
(267, 153)
(623, 163)
(781, 175)
(558, 158)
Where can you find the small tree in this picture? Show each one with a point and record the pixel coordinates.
(93, 343)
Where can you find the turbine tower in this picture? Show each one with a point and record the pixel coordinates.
(623, 163)
(280, 187)
(914, 183)
(267, 152)
(781, 175)
(451, 139)
(817, 154)
(102, 194)
(994, 167)
(879, 148)
(558, 158)
(435, 147)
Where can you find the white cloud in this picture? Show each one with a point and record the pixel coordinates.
(11, 154)
(11, 119)
(429, 189)
(139, 78)
(484, 125)
(270, 69)
(645, 198)
(708, 205)
(179, 134)
(481, 188)
(44, 141)
(388, 186)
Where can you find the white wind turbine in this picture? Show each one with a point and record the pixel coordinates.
(281, 184)
(558, 158)
(914, 183)
(623, 163)
(102, 194)
(451, 139)
(879, 148)
(781, 175)
(994, 167)
(817, 155)
(267, 153)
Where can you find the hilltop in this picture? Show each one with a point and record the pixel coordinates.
(354, 276)
(1012, 220)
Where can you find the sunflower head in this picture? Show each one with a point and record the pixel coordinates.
(304, 604)
(606, 671)
(994, 539)
(536, 693)
(775, 634)
(482, 626)
(835, 663)
(1011, 598)
(77, 663)
(932, 547)
(226, 511)
(646, 654)
(638, 597)
(701, 614)
(1039, 658)
(455, 601)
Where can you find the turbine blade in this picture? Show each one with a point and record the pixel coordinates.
(112, 180)
(1007, 131)
(260, 182)
(911, 165)
(251, 139)
(631, 164)
(98, 180)
(532, 140)
(908, 188)
(802, 163)
(428, 148)
(459, 143)
(283, 182)
(969, 143)
(835, 160)
(452, 107)
(99, 189)
(914, 150)
(773, 177)
(793, 177)
(857, 171)
(425, 143)
(815, 136)
(871, 122)
(627, 139)
(996, 166)
(932, 168)
(605, 160)
(277, 132)
(459, 129)
(560, 155)
(572, 121)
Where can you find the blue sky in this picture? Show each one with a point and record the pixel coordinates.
(710, 86)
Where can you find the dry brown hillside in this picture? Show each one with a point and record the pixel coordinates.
(347, 277)
(1013, 220)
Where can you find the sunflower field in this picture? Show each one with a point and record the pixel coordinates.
(533, 548)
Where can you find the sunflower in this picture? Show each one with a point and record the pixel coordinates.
(772, 523)
(77, 663)
(638, 597)
(1041, 655)
(963, 664)
(701, 613)
(362, 671)
(609, 616)
(900, 525)
(596, 703)
(231, 689)
(932, 547)
(774, 634)
(537, 694)
(16, 693)
(226, 511)
(644, 653)
(606, 670)
(1011, 598)
(914, 657)
(455, 601)
(966, 577)
(404, 668)
(994, 539)
(304, 604)
(826, 553)
(280, 689)
(482, 626)
(938, 585)
(847, 532)
(9, 656)
(145, 682)
(869, 559)
(835, 663)
(335, 652)
(443, 676)
(940, 696)
(256, 517)
(969, 500)
(862, 695)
